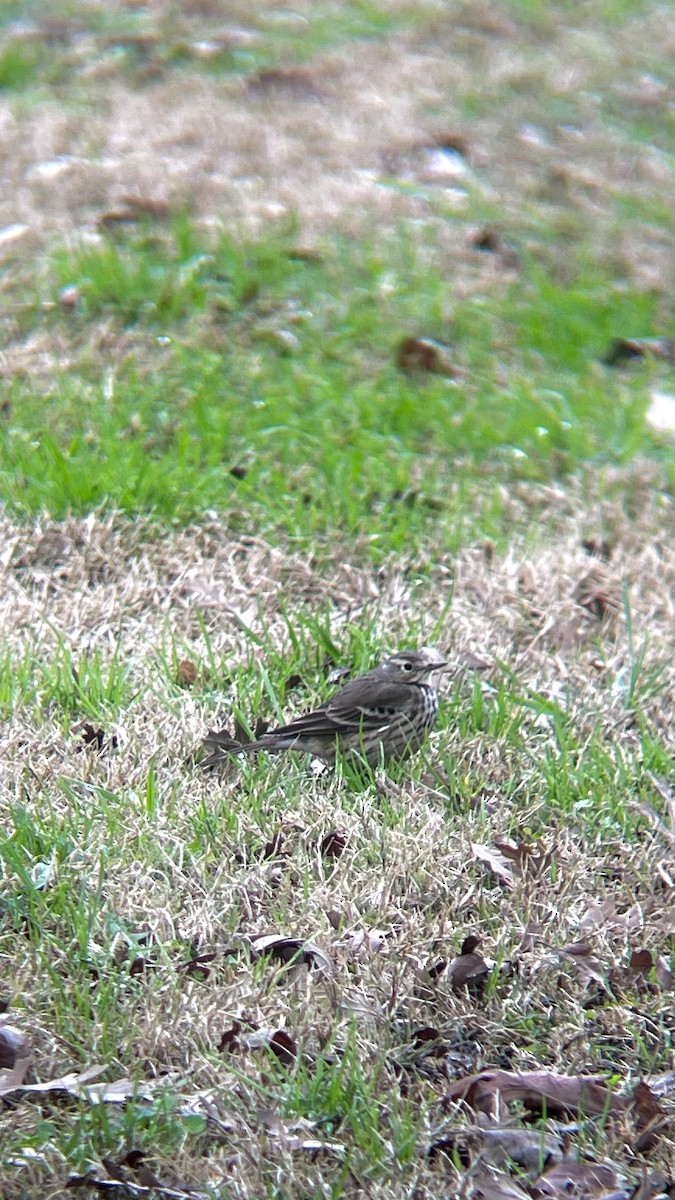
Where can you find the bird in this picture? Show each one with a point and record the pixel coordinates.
(378, 717)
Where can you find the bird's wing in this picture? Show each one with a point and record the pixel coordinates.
(369, 704)
(360, 704)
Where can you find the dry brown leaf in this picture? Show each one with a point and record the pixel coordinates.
(494, 1186)
(622, 350)
(374, 940)
(469, 969)
(284, 1047)
(186, 674)
(499, 1145)
(649, 1116)
(641, 962)
(292, 950)
(589, 967)
(79, 1085)
(424, 355)
(98, 739)
(587, 1180)
(14, 1045)
(593, 593)
(539, 1091)
(333, 844)
(530, 859)
(605, 914)
(495, 861)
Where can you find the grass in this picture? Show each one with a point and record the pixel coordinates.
(115, 881)
(267, 388)
(219, 486)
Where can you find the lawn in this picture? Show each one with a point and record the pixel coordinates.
(329, 330)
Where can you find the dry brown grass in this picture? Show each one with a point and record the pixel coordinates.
(191, 870)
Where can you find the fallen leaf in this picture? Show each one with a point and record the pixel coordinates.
(14, 1045)
(284, 1047)
(468, 969)
(500, 1145)
(641, 961)
(530, 859)
(490, 1185)
(496, 863)
(333, 844)
(97, 738)
(622, 350)
(589, 967)
(649, 1116)
(539, 1091)
(587, 1180)
(186, 674)
(292, 950)
(593, 593)
(424, 354)
(229, 1039)
(374, 939)
(422, 1037)
(79, 1085)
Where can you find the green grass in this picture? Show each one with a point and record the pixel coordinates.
(266, 387)
(253, 389)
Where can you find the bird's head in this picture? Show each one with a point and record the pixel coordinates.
(414, 666)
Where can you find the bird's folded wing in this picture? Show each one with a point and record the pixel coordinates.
(371, 706)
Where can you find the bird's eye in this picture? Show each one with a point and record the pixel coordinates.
(407, 666)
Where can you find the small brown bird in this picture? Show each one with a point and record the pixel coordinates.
(382, 715)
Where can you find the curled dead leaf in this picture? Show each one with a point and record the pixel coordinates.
(97, 738)
(538, 1091)
(593, 593)
(588, 966)
(583, 1179)
(333, 844)
(78, 1084)
(622, 350)
(424, 355)
(284, 1047)
(291, 950)
(14, 1045)
(186, 674)
(495, 861)
(469, 969)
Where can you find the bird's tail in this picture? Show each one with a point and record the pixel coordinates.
(219, 746)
